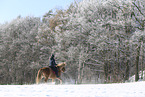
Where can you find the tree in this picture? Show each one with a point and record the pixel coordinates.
(137, 40)
(18, 46)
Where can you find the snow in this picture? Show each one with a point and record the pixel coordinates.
(135, 89)
(132, 79)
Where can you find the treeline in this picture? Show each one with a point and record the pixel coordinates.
(101, 41)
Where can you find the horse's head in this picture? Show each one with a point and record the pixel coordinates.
(62, 69)
(62, 66)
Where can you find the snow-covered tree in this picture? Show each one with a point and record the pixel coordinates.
(18, 46)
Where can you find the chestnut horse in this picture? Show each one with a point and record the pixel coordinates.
(48, 73)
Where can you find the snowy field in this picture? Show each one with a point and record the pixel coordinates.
(98, 90)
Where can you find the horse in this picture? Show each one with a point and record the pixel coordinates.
(48, 73)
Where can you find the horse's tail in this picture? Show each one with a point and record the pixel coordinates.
(39, 76)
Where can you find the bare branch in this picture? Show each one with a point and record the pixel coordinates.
(138, 8)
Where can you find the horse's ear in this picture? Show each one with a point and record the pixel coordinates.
(64, 63)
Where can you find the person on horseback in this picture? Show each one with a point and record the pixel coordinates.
(53, 65)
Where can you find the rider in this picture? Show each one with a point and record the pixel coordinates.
(53, 65)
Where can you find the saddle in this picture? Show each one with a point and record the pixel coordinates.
(54, 70)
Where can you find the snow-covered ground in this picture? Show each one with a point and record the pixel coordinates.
(132, 78)
(95, 90)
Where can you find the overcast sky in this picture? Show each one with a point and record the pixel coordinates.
(10, 9)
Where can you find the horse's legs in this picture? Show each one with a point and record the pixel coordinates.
(52, 80)
(46, 78)
(60, 80)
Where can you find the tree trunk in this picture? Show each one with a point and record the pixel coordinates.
(142, 59)
(105, 72)
(137, 64)
(127, 69)
(79, 80)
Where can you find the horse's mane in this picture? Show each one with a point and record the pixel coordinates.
(61, 64)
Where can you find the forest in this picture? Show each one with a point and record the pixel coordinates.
(102, 41)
